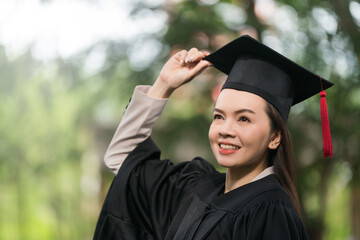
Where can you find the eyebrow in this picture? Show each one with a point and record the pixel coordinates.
(236, 112)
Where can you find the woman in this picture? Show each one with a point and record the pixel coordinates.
(256, 198)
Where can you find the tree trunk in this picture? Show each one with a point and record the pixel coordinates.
(317, 227)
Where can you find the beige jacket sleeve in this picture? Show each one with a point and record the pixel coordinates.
(135, 126)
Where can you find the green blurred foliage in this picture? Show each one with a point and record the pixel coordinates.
(57, 119)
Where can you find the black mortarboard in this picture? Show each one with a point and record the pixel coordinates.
(256, 68)
(253, 67)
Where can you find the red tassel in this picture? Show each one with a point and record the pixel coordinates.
(327, 149)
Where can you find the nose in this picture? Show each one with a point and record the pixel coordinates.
(227, 129)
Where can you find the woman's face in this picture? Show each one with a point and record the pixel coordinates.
(240, 133)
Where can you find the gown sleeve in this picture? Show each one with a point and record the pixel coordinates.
(273, 218)
(146, 193)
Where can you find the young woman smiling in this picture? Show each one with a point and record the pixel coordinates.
(241, 136)
(256, 198)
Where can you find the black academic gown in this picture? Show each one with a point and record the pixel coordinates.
(155, 199)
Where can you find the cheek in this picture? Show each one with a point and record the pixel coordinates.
(213, 133)
(255, 135)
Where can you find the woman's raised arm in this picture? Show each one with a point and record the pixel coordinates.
(148, 103)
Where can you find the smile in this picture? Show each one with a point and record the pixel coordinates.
(226, 149)
(229, 147)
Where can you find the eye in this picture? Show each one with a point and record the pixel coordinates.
(244, 119)
(217, 116)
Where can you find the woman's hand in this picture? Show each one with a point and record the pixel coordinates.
(181, 68)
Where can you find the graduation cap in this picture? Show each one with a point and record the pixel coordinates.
(253, 67)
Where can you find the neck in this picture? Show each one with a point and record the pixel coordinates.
(237, 177)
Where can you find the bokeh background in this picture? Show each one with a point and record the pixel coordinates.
(68, 69)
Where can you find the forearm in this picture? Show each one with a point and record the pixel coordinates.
(135, 126)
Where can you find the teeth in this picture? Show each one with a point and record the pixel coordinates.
(229, 147)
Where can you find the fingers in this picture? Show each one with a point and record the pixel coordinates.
(194, 55)
(190, 57)
(194, 61)
(201, 66)
(181, 56)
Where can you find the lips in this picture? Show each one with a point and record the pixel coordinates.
(227, 148)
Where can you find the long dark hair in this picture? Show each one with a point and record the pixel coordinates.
(282, 158)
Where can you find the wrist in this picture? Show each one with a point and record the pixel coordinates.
(160, 90)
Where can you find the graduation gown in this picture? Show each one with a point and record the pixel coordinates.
(156, 199)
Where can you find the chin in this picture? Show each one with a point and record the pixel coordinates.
(229, 163)
(237, 162)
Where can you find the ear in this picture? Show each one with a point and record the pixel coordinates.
(275, 140)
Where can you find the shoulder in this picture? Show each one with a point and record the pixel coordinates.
(270, 214)
(270, 203)
(259, 197)
(268, 192)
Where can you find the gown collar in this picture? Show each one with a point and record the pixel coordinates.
(264, 173)
(211, 190)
